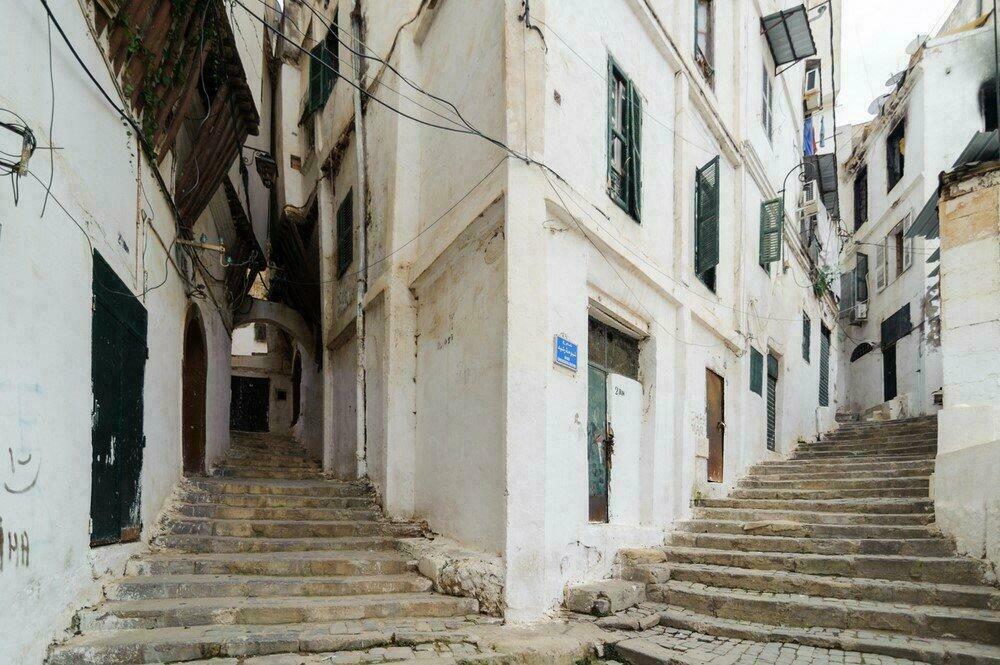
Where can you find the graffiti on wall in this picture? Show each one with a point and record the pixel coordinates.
(18, 405)
(14, 548)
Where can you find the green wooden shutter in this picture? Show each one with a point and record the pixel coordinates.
(315, 78)
(635, 150)
(824, 366)
(806, 336)
(345, 234)
(707, 217)
(756, 371)
(610, 128)
(771, 215)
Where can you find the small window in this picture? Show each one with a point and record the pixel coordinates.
(813, 79)
(706, 249)
(861, 197)
(895, 153)
(901, 247)
(988, 105)
(324, 68)
(704, 39)
(624, 141)
(806, 336)
(767, 103)
(756, 371)
(345, 234)
(260, 332)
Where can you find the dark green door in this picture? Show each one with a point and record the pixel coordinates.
(597, 429)
(248, 404)
(772, 399)
(118, 360)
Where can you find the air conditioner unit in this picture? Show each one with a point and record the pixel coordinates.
(809, 199)
(860, 312)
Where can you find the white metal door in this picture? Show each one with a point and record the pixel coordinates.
(625, 420)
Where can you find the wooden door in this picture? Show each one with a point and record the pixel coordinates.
(194, 372)
(118, 361)
(248, 407)
(889, 372)
(772, 400)
(715, 424)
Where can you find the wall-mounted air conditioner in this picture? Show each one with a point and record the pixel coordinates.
(809, 198)
(860, 312)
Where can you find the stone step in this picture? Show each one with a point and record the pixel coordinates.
(132, 647)
(813, 517)
(320, 487)
(283, 563)
(267, 460)
(869, 450)
(276, 500)
(175, 612)
(887, 591)
(876, 443)
(145, 587)
(949, 570)
(852, 483)
(873, 492)
(799, 469)
(935, 651)
(926, 450)
(934, 547)
(217, 511)
(224, 544)
(868, 506)
(806, 611)
(289, 528)
(254, 472)
(806, 530)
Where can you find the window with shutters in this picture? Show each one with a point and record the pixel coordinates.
(772, 400)
(756, 371)
(704, 39)
(624, 141)
(771, 217)
(824, 365)
(324, 68)
(767, 103)
(706, 250)
(260, 332)
(861, 197)
(345, 234)
(895, 153)
(861, 278)
(881, 269)
(806, 336)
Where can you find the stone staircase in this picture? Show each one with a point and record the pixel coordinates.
(834, 548)
(267, 556)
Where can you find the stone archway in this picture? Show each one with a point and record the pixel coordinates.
(194, 373)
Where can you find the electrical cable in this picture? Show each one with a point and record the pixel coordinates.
(52, 120)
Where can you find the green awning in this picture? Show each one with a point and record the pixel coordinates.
(788, 35)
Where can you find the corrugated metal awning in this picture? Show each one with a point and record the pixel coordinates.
(823, 169)
(984, 146)
(788, 35)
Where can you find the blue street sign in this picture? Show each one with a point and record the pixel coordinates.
(565, 353)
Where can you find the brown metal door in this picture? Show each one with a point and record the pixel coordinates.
(195, 370)
(715, 424)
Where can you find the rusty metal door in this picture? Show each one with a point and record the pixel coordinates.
(715, 423)
(118, 360)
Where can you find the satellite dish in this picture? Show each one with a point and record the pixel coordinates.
(876, 106)
(896, 79)
(917, 42)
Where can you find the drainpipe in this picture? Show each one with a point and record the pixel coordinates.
(360, 215)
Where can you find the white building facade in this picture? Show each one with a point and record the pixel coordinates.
(891, 302)
(567, 332)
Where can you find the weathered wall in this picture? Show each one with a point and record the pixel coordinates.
(459, 438)
(45, 261)
(966, 492)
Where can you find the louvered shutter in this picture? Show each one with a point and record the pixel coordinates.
(824, 367)
(907, 243)
(772, 399)
(861, 276)
(806, 337)
(771, 214)
(634, 168)
(315, 78)
(756, 370)
(848, 285)
(880, 267)
(345, 234)
(707, 217)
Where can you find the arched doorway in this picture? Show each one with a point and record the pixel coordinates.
(194, 374)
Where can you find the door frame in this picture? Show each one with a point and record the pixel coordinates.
(717, 457)
(194, 379)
